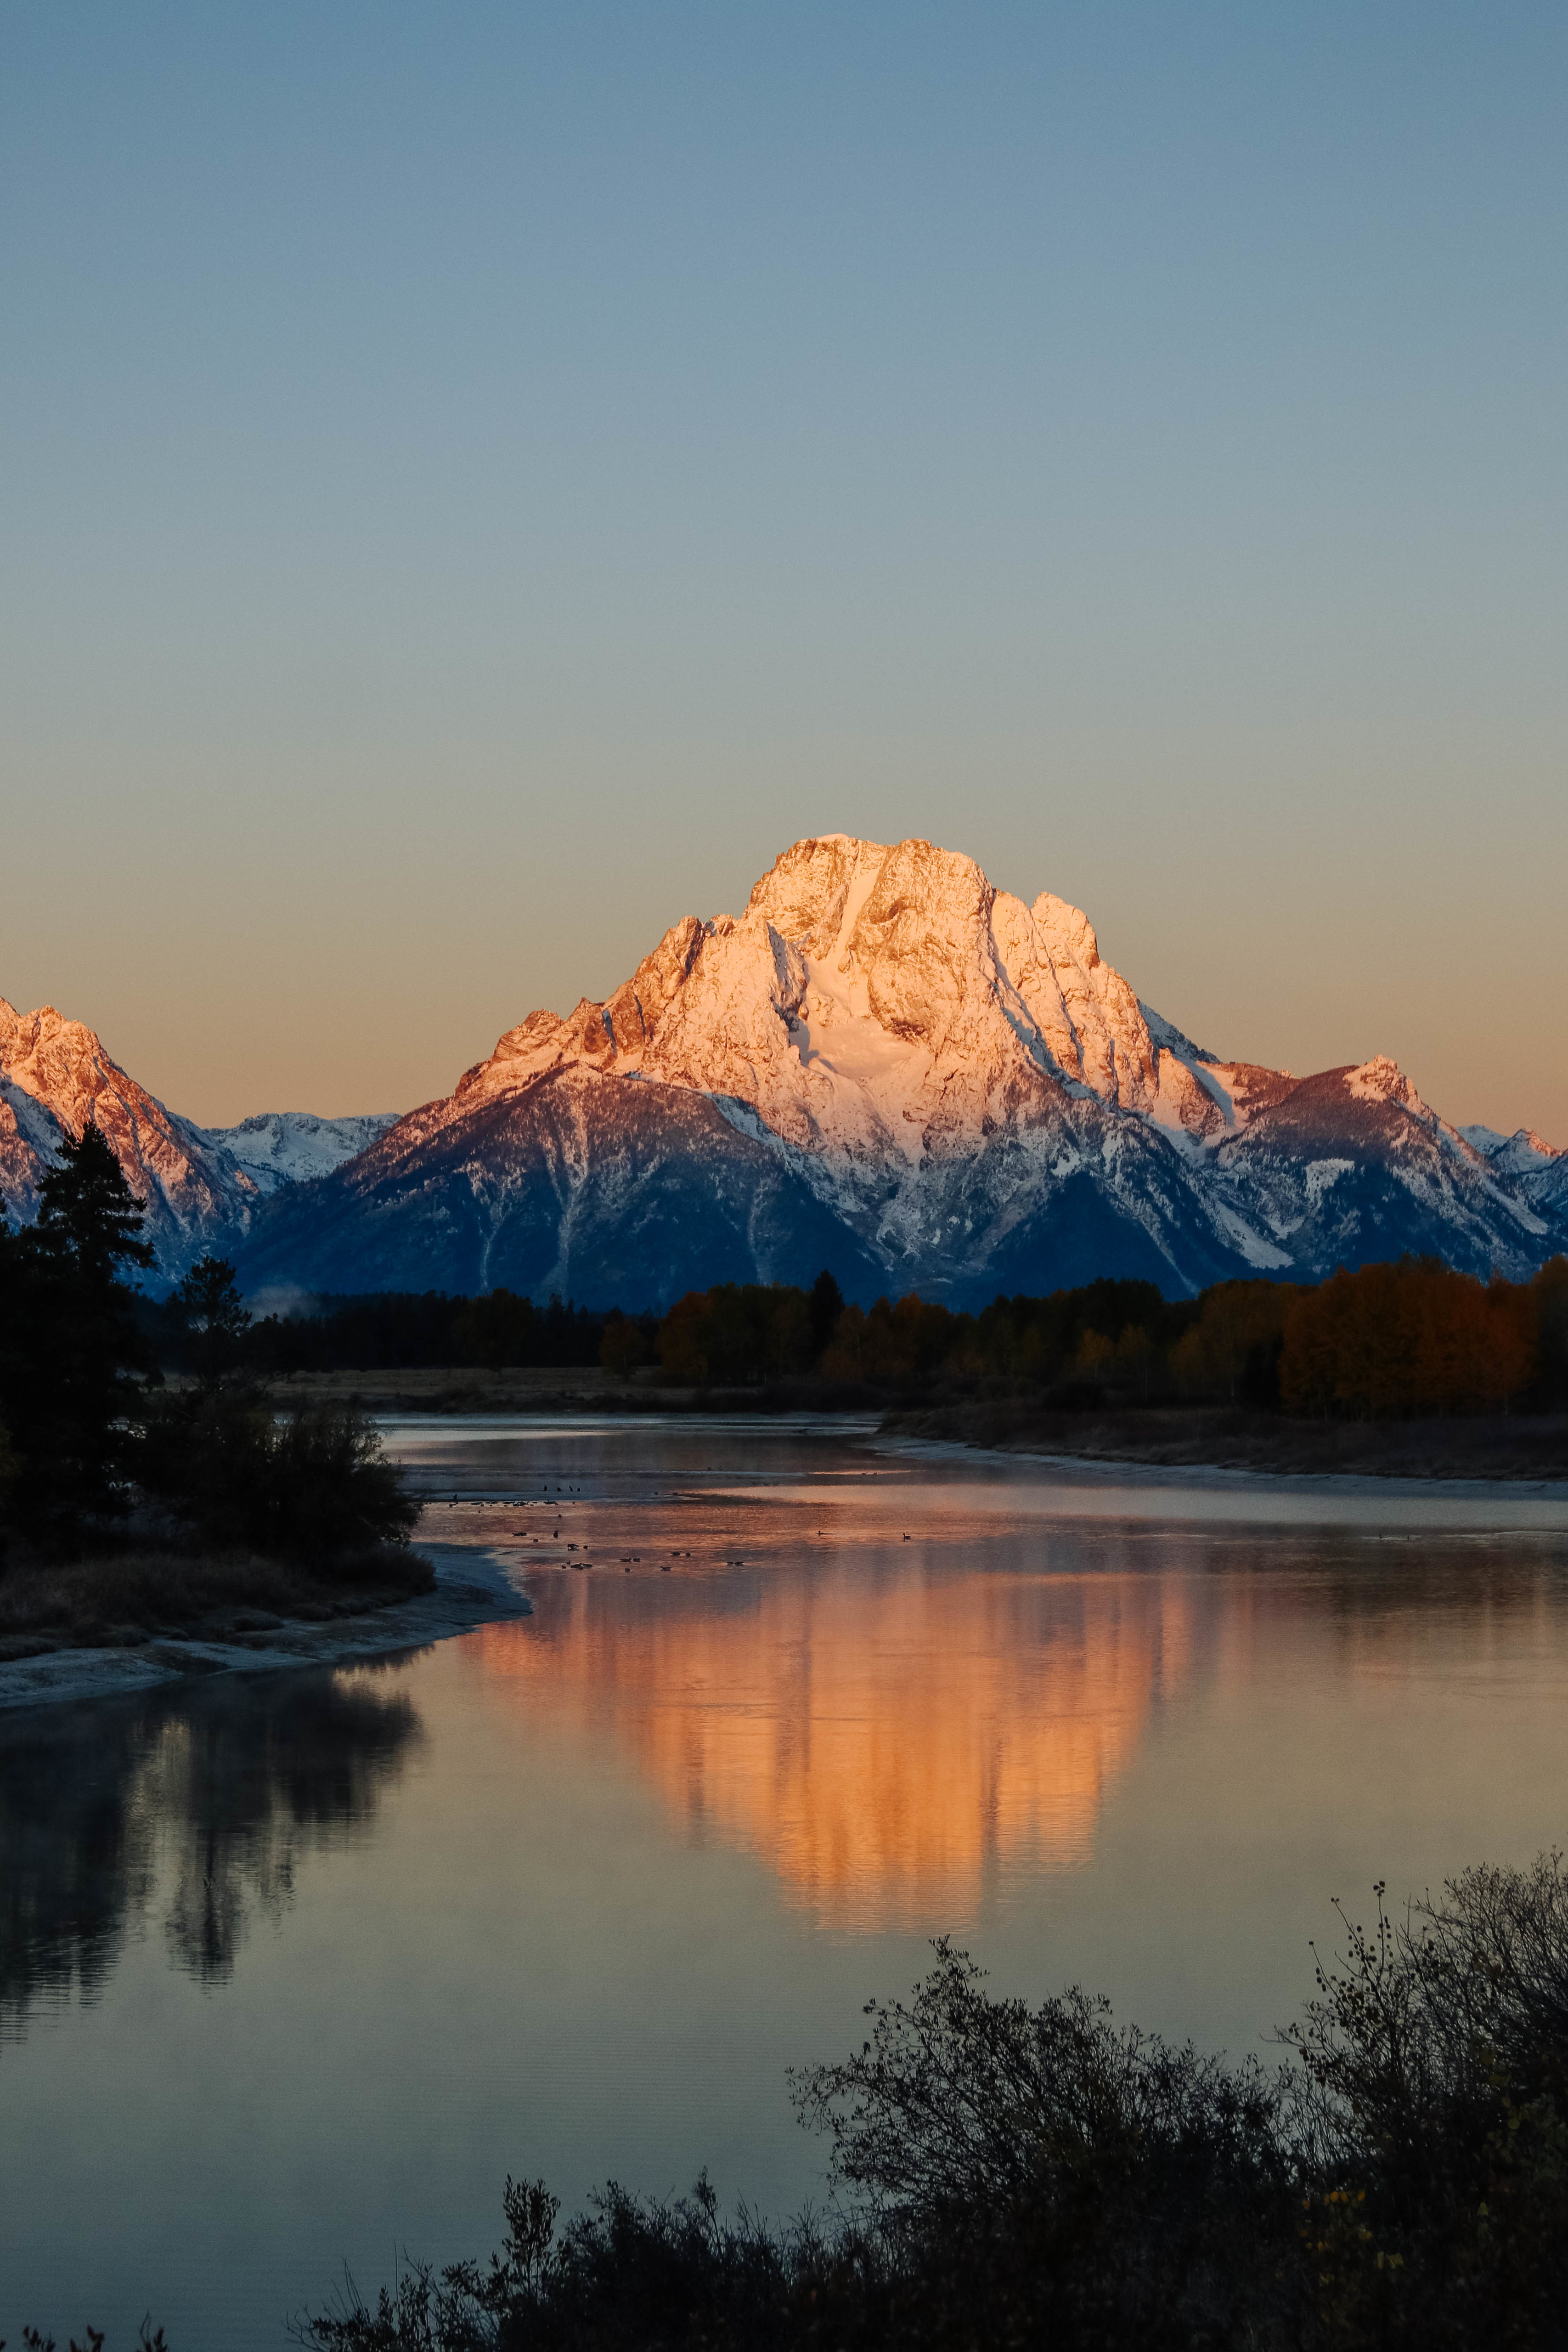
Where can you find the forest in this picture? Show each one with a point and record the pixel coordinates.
(1383, 1341)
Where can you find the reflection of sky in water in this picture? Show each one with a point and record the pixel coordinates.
(298, 1968)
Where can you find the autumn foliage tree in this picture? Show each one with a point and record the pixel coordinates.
(1233, 1350)
(737, 1334)
(1388, 1342)
(892, 1343)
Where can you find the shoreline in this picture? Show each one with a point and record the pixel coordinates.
(1230, 1478)
(471, 1589)
(1514, 1452)
(1523, 1449)
(1370, 1459)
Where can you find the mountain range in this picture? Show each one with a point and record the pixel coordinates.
(883, 1065)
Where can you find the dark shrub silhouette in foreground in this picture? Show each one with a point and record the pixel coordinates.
(1011, 2176)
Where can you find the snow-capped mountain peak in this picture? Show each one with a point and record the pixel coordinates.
(950, 1086)
(294, 1146)
(883, 1064)
(199, 1185)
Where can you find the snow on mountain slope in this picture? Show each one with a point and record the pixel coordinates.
(28, 1135)
(955, 1079)
(60, 1070)
(883, 1064)
(199, 1185)
(600, 1188)
(1352, 1164)
(293, 1147)
(1525, 1163)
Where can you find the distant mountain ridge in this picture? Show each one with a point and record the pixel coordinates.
(883, 1065)
(275, 1148)
(887, 1066)
(201, 1185)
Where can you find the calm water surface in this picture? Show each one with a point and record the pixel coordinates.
(294, 1969)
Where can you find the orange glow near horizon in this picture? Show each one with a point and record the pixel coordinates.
(889, 1747)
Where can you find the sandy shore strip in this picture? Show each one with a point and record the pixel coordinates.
(471, 1588)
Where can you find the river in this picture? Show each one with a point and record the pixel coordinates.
(294, 1969)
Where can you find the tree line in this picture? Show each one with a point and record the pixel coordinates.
(399, 1331)
(1386, 1341)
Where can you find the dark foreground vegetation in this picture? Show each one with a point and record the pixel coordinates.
(1049, 2180)
(1011, 2176)
(131, 1506)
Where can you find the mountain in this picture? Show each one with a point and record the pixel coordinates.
(292, 1147)
(886, 1067)
(883, 1065)
(201, 1185)
(1527, 1165)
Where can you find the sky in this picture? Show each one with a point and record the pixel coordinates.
(476, 483)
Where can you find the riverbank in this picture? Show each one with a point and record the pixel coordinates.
(465, 1588)
(1228, 1438)
(461, 1389)
(1180, 1436)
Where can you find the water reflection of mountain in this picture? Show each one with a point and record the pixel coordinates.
(889, 1742)
(897, 1734)
(195, 1804)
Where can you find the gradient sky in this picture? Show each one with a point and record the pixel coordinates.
(479, 481)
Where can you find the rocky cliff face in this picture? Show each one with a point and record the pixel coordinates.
(886, 1066)
(201, 1185)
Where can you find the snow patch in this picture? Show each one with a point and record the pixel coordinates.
(293, 1147)
(1323, 1175)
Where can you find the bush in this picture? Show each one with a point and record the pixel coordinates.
(1042, 2178)
(317, 1483)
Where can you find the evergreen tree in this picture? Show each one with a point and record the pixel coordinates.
(215, 1320)
(825, 1304)
(72, 1352)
